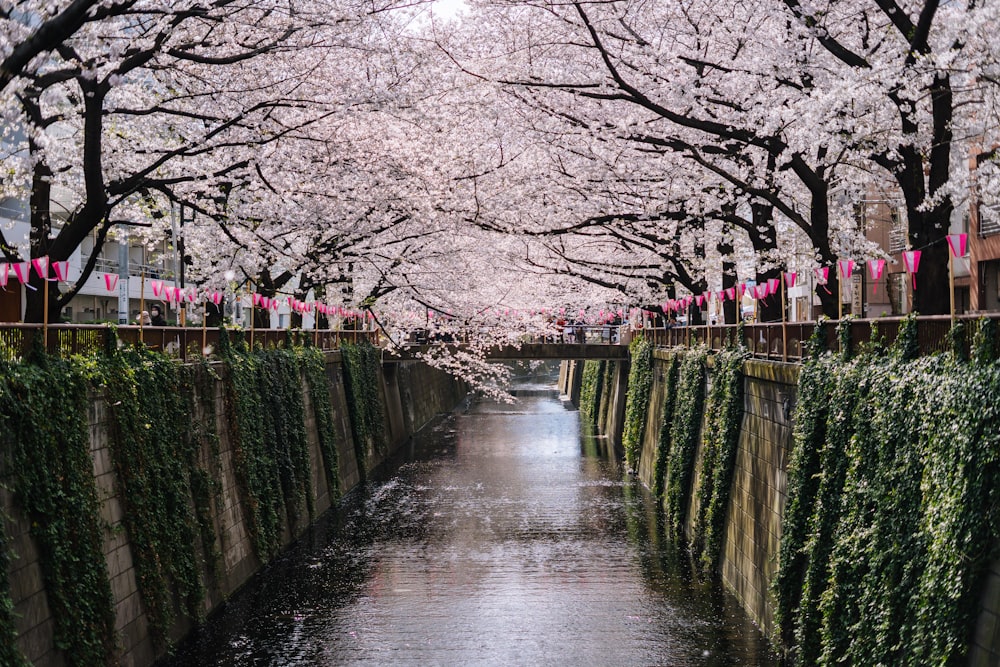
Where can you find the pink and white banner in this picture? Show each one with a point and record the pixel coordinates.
(875, 269)
(958, 244)
(731, 293)
(61, 269)
(911, 260)
(4, 275)
(110, 281)
(256, 300)
(846, 267)
(742, 289)
(157, 287)
(772, 285)
(41, 265)
(790, 279)
(21, 270)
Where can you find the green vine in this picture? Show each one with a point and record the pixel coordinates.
(47, 464)
(153, 456)
(271, 451)
(670, 374)
(9, 654)
(640, 381)
(890, 529)
(722, 435)
(590, 390)
(364, 403)
(314, 365)
(685, 432)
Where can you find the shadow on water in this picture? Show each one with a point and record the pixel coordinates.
(501, 536)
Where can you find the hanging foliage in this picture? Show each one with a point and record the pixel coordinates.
(888, 566)
(722, 434)
(670, 373)
(361, 364)
(271, 451)
(314, 365)
(148, 424)
(640, 381)
(591, 387)
(47, 465)
(684, 434)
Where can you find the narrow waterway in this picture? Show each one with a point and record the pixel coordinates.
(505, 538)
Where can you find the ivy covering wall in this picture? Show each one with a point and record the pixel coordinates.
(640, 381)
(47, 466)
(161, 426)
(364, 402)
(724, 416)
(591, 388)
(894, 503)
(685, 431)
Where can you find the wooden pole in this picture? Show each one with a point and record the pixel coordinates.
(204, 328)
(784, 325)
(951, 283)
(840, 294)
(45, 309)
(142, 300)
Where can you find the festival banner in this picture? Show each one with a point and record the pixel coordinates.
(790, 277)
(256, 300)
(157, 287)
(110, 281)
(958, 244)
(911, 260)
(846, 268)
(21, 270)
(772, 285)
(875, 269)
(61, 269)
(731, 293)
(822, 275)
(41, 265)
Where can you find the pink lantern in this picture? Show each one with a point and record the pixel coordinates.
(41, 265)
(911, 260)
(846, 267)
(790, 279)
(958, 244)
(772, 285)
(4, 274)
(110, 281)
(822, 275)
(61, 269)
(731, 293)
(157, 287)
(875, 269)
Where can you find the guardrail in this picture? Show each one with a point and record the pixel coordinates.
(181, 342)
(787, 341)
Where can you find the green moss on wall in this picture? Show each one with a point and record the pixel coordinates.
(364, 400)
(685, 431)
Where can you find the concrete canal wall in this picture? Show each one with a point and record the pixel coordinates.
(753, 526)
(411, 394)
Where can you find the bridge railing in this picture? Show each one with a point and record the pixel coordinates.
(787, 342)
(181, 342)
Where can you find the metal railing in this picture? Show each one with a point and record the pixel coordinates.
(787, 341)
(773, 341)
(16, 340)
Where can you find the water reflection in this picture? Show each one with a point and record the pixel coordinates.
(504, 538)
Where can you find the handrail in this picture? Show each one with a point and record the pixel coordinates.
(786, 341)
(185, 343)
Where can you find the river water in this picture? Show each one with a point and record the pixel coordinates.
(506, 537)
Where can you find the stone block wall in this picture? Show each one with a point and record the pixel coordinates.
(757, 500)
(413, 395)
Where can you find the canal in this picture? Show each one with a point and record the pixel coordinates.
(504, 537)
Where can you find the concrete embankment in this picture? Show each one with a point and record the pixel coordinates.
(410, 394)
(749, 558)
